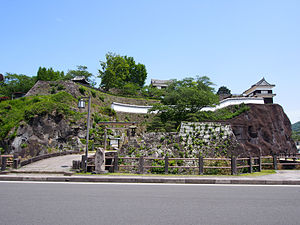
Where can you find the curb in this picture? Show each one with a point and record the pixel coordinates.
(154, 180)
(41, 172)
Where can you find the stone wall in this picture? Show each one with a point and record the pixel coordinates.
(209, 139)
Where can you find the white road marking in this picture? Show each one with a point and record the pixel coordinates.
(149, 184)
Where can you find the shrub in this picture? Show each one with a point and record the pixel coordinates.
(60, 87)
(108, 111)
(24, 145)
(82, 90)
(176, 146)
(93, 93)
(101, 98)
(53, 90)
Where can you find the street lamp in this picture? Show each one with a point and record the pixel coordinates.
(81, 104)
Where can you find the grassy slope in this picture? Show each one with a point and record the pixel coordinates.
(12, 112)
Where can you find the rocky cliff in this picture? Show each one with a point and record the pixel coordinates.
(45, 134)
(265, 129)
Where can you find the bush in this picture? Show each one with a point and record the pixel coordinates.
(93, 93)
(53, 90)
(108, 111)
(101, 98)
(60, 87)
(176, 146)
(82, 90)
(130, 89)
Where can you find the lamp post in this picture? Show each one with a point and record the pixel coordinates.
(81, 104)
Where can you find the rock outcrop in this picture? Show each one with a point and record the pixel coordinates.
(264, 129)
(45, 134)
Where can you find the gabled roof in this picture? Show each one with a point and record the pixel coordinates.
(260, 83)
(80, 79)
(155, 81)
(263, 82)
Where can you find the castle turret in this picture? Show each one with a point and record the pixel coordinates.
(261, 89)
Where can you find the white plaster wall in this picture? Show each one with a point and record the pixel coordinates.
(120, 107)
(234, 101)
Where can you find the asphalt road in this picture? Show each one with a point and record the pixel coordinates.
(94, 203)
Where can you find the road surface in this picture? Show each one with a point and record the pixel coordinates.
(94, 203)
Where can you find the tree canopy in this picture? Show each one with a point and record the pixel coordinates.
(223, 91)
(81, 71)
(16, 83)
(49, 74)
(185, 97)
(117, 71)
(296, 127)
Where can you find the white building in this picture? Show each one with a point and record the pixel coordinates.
(160, 84)
(261, 89)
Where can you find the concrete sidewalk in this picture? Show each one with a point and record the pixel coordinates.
(282, 177)
(60, 164)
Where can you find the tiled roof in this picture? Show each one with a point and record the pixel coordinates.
(263, 82)
(154, 81)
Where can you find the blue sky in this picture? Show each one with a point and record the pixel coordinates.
(235, 43)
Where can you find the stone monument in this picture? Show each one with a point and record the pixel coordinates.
(100, 161)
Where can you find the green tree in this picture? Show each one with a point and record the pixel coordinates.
(117, 71)
(153, 92)
(296, 127)
(223, 91)
(296, 136)
(81, 71)
(49, 74)
(130, 89)
(137, 72)
(185, 97)
(16, 83)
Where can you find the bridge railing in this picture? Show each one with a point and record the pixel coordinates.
(12, 162)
